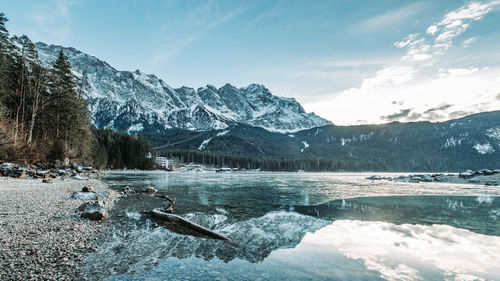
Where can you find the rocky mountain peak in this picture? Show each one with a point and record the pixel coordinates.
(140, 102)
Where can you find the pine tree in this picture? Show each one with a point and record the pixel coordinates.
(6, 60)
(68, 112)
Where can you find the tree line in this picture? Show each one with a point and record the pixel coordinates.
(44, 115)
(221, 160)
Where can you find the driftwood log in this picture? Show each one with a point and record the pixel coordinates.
(167, 215)
(160, 214)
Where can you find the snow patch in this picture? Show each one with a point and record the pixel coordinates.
(484, 148)
(493, 133)
(306, 145)
(204, 144)
(223, 133)
(135, 128)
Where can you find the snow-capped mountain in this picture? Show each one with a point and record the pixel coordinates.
(136, 101)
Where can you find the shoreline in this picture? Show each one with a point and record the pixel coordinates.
(41, 231)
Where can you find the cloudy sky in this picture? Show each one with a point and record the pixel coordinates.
(352, 62)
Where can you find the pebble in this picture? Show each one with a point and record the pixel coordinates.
(42, 238)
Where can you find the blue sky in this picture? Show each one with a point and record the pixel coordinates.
(352, 62)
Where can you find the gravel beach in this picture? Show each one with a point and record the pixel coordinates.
(42, 236)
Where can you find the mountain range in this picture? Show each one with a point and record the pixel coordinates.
(137, 102)
(251, 122)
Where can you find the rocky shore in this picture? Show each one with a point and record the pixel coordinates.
(484, 176)
(44, 232)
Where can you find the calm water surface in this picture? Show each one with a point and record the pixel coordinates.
(301, 226)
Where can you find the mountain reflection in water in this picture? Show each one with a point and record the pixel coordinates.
(291, 227)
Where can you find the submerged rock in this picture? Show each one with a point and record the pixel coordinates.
(474, 181)
(127, 191)
(149, 189)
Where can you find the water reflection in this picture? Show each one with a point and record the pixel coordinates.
(413, 252)
(307, 228)
(478, 214)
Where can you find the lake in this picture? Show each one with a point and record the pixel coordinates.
(300, 226)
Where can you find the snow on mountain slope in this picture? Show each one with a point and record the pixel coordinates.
(136, 101)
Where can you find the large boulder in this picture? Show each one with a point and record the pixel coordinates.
(84, 195)
(427, 178)
(66, 163)
(94, 211)
(486, 172)
(466, 175)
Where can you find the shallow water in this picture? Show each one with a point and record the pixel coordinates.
(306, 226)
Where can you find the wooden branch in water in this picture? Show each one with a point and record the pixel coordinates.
(170, 207)
(165, 197)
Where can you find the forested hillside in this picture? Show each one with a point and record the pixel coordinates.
(44, 116)
(472, 142)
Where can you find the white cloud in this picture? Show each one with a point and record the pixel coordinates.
(390, 18)
(468, 90)
(407, 41)
(469, 41)
(418, 80)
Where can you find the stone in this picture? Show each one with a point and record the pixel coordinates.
(441, 178)
(491, 183)
(427, 178)
(474, 181)
(22, 174)
(486, 172)
(466, 175)
(47, 180)
(65, 163)
(374, 177)
(88, 168)
(87, 189)
(98, 203)
(95, 211)
(62, 172)
(127, 191)
(79, 169)
(84, 195)
(149, 189)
